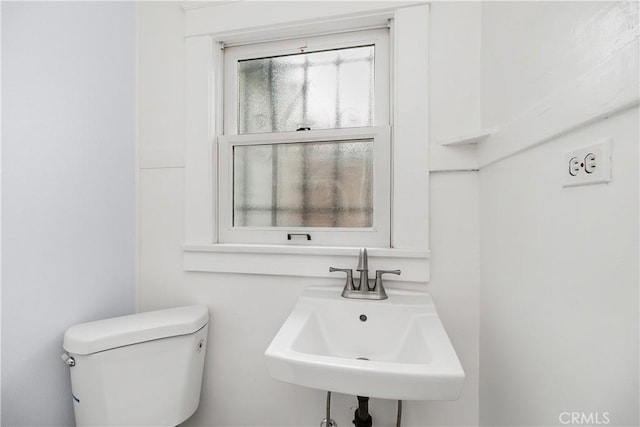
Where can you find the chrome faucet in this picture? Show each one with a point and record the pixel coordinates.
(363, 290)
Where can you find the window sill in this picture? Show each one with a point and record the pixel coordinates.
(304, 261)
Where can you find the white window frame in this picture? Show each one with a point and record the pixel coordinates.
(376, 236)
(233, 23)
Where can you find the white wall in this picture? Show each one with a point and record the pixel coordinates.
(531, 49)
(559, 266)
(247, 310)
(68, 133)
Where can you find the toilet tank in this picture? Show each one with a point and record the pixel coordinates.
(139, 370)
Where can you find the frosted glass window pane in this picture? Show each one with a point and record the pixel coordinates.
(320, 90)
(323, 184)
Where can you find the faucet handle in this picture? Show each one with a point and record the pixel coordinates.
(349, 285)
(377, 287)
(379, 273)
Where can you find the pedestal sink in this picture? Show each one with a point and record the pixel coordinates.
(392, 349)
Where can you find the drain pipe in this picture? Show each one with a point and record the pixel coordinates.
(361, 416)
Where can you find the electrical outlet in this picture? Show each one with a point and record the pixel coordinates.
(588, 165)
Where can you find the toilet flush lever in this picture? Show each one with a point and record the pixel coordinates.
(68, 360)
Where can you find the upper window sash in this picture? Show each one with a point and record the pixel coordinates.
(379, 38)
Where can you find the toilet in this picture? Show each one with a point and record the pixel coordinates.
(139, 370)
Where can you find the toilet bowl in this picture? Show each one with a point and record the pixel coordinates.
(139, 370)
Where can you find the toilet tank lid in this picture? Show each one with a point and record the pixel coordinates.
(92, 337)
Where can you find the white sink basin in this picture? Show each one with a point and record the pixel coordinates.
(409, 353)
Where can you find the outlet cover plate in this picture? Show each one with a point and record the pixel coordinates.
(601, 172)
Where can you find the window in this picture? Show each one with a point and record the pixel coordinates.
(305, 153)
(309, 184)
(326, 89)
(226, 227)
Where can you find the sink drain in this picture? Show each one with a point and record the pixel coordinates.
(362, 358)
